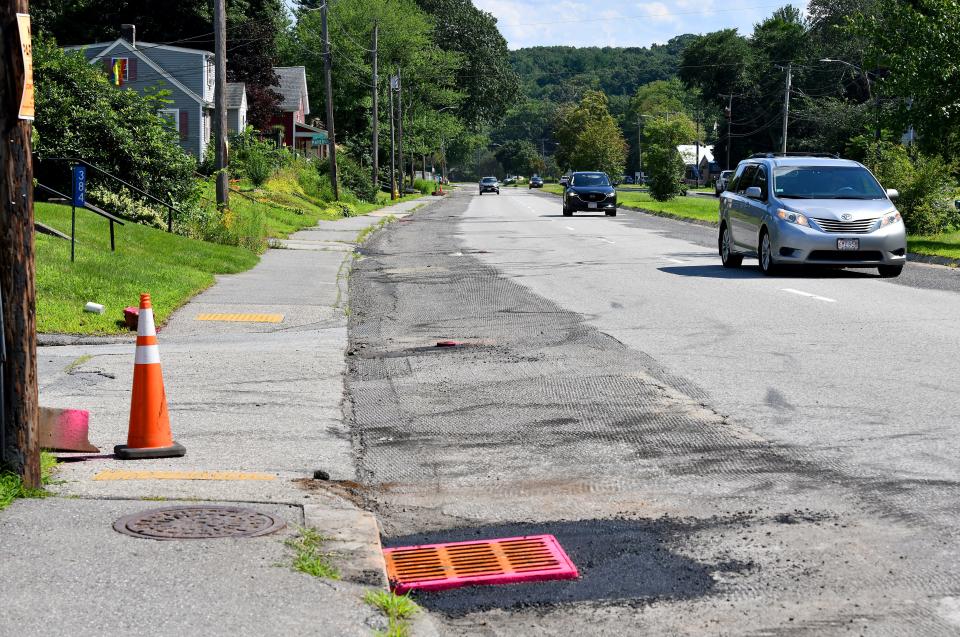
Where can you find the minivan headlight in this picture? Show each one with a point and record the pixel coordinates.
(793, 217)
(891, 218)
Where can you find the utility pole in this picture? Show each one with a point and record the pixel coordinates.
(327, 72)
(393, 145)
(400, 129)
(19, 440)
(376, 113)
(786, 106)
(697, 158)
(728, 113)
(220, 102)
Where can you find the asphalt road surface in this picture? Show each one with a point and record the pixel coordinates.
(718, 451)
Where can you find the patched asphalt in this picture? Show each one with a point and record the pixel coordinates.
(541, 422)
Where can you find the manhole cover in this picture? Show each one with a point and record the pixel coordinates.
(197, 523)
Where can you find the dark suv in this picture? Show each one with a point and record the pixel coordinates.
(536, 182)
(489, 184)
(590, 191)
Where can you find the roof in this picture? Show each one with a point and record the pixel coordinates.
(236, 94)
(120, 42)
(689, 153)
(292, 88)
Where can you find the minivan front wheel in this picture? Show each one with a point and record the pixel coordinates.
(728, 257)
(765, 254)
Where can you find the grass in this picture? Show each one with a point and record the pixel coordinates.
(11, 485)
(364, 234)
(941, 245)
(398, 610)
(309, 557)
(170, 267)
(698, 208)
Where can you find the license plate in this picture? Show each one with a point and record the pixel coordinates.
(848, 244)
(591, 205)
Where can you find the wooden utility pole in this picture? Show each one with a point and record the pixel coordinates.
(328, 75)
(19, 443)
(400, 129)
(220, 102)
(375, 113)
(393, 145)
(786, 106)
(728, 113)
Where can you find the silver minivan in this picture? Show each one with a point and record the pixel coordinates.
(810, 210)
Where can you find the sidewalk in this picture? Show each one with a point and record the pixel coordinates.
(263, 398)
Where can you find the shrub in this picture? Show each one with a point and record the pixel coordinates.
(352, 177)
(666, 172)
(924, 182)
(258, 167)
(425, 186)
(124, 204)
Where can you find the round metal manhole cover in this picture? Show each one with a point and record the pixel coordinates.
(197, 523)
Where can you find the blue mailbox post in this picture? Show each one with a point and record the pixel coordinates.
(79, 199)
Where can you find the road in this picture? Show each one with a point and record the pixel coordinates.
(719, 451)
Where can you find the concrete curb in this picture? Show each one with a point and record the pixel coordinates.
(353, 536)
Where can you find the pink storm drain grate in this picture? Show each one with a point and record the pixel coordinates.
(435, 567)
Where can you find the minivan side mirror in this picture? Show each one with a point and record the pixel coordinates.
(753, 192)
(892, 193)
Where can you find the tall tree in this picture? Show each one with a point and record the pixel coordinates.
(485, 77)
(589, 136)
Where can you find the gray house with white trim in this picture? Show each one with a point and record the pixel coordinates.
(188, 74)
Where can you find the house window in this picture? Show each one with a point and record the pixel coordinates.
(124, 67)
(172, 115)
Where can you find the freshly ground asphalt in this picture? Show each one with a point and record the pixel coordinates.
(599, 396)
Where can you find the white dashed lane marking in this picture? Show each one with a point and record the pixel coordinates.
(808, 295)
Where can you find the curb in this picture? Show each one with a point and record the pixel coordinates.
(353, 537)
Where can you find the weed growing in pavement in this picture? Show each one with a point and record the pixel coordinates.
(364, 234)
(397, 608)
(80, 360)
(11, 485)
(309, 557)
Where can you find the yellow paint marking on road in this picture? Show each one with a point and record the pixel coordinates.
(248, 318)
(111, 474)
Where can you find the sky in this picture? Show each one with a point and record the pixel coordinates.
(611, 23)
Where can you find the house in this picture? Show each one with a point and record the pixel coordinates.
(699, 163)
(188, 74)
(293, 110)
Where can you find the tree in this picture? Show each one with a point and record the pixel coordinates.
(485, 77)
(520, 157)
(915, 43)
(663, 161)
(79, 114)
(589, 136)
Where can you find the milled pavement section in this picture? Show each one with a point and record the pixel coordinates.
(260, 400)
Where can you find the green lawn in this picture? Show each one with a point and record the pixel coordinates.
(943, 245)
(169, 267)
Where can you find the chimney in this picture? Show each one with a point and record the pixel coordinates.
(129, 33)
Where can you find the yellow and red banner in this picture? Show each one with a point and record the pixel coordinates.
(119, 71)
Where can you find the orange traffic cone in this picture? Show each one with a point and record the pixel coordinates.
(149, 432)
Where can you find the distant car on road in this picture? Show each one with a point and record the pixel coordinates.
(627, 179)
(489, 184)
(565, 180)
(722, 180)
(810, 210)
(590, 191)
(535, 182)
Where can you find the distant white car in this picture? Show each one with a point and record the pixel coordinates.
(721, 183)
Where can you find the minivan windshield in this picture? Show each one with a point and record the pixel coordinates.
(590, 179)
(825, 182)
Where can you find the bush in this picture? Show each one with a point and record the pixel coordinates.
(425, 186)
(924, 182)
(666, 169)
(128, 206)
(352, 177)
(258, 167)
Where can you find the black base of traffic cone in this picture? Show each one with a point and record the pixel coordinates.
(124, 452)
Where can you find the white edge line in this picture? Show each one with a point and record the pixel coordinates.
(808, 295)
(570, 229)
(674, 260)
